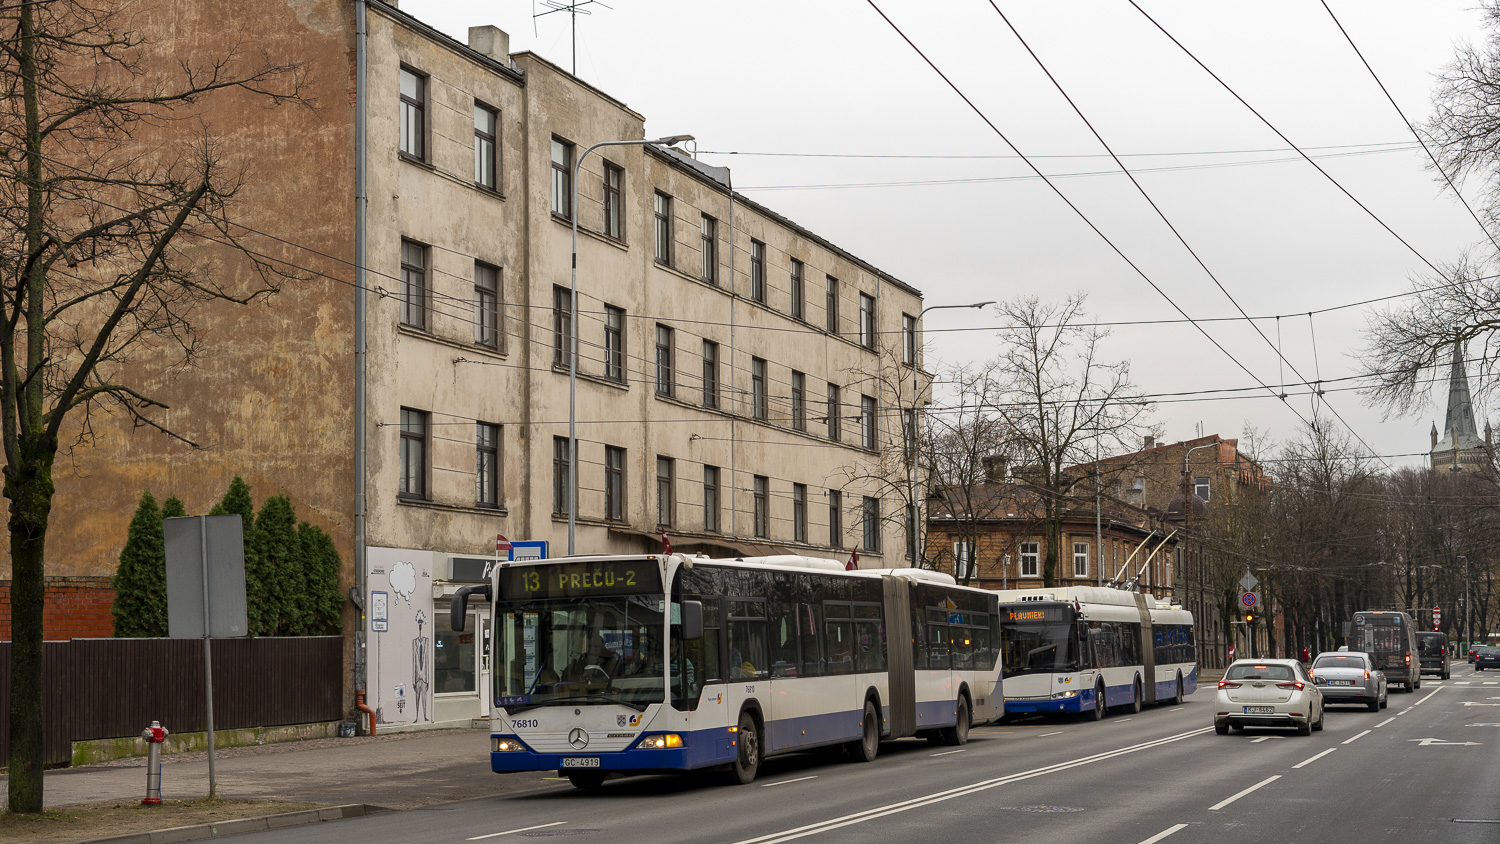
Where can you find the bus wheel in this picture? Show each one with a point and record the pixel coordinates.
(868, 744)
(1177, 701)
(747, 745)
(1135, 703)
(586, 780)
(958, 734)
(1099, 702)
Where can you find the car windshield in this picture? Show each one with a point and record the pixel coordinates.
(1252, 671)
(1339, 661)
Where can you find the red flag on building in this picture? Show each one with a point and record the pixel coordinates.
(853, 563)
(666, 544)
(501, 543)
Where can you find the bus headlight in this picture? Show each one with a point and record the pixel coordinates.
(506, 745)
(1065, 695)
(661, 741)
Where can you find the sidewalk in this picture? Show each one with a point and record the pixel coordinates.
(395, 771)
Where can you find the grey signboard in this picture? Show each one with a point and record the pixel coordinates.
(222, 539)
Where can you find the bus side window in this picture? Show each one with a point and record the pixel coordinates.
(840, 637)
(748, 652)
(809, 624)
(712, 664)
(869, 638)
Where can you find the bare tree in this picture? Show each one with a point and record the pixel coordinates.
(103, 216)
(963, 448)
(1059, 403)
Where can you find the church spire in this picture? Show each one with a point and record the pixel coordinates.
(1459, 423)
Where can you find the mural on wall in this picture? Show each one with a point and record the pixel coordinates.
(400, 644)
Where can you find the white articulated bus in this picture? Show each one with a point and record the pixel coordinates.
(1087, 648)
(659, 663)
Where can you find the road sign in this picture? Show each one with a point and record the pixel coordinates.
(208, 548)
(1250, 600)
(1437, 614)
(528, 549)
(1248, 582)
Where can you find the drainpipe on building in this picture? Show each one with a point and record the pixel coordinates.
(733, 446)
(361, 205)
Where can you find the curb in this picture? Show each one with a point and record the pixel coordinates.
(200, 832)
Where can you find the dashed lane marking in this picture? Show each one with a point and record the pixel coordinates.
(1164, 833)
(514, 831)
(1263, 783)
(1312, 759)
(784, 782)
(1386, 721)
(1356, 737)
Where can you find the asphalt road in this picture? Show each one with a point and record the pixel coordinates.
(1425, 769)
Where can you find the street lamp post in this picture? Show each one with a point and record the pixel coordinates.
(670, 140)
(911, 436)
(1468, 612)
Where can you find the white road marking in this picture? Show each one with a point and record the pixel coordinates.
(799, 779)
(961, 791)
(1429, 696)
(1492, 682)
(1263, 783)
(1386, 721)
(1122, 720)
(947, 752)
(1044, 735)
(1164, 833)
(1356, 737)
(513, 831)
(1404, 711)
(1312, 759)
(1177, 709)
(1461, 683)
(1264, 738)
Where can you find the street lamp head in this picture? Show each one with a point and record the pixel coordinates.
(672, 140)
(981, 304)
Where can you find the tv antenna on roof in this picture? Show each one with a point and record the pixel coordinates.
(574, 9)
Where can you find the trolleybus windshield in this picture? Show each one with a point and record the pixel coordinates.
(1039, 639)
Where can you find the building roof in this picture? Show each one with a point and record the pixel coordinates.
(1459, 421)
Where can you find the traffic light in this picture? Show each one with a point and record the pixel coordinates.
(1249, 618)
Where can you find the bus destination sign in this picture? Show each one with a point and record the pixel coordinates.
(580, 580)
(1028, 613)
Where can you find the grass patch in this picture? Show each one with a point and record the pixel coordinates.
(102, 820)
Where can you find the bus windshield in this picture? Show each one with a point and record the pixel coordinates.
(1381, 633)
(1040, 647)
(605, 649)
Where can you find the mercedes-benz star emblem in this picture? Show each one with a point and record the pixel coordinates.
(578, 738)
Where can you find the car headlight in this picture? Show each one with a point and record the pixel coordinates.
(507, 745)
(661, 741)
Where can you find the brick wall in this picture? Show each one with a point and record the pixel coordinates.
(77, 608)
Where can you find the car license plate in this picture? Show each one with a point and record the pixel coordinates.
(1340, 682)
(1255, 710)
(581, 762)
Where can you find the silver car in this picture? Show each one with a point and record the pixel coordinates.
(1349, 677)
(1268, 693)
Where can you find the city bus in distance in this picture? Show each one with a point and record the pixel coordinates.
(1389, 637)
(1083, 649)
(662, 663)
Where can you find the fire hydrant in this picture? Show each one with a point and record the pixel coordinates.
(155, 736)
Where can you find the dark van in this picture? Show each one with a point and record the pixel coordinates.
(1388, 637)
(1432, 652)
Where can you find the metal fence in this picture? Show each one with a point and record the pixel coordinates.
(111, 688)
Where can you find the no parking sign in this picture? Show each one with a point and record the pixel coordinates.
(1249, 600)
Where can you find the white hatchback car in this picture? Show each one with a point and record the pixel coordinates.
(1268, 693)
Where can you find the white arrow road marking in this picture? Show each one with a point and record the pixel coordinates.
(1472, 703)
(1424, 742)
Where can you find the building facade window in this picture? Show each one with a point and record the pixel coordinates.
(560, 463)
(908, 339)
(799, 512)
(709, 235)
(614, 483)
(759, 401)
(1031, 556)
(486, 464)
(414, 284)
(867, 320)
(663, 239)
(909, 431)
(486, 305)
(1200, 488)
(486, 162)
(414, 453)
(710, 374)
(835, 518)
(664, 372)
(835, 413)
(614, 201)
(413, 114)
(831, 305)
(1080, 559)
(867, 422)
(562, 326)
(614, 343)
(798, 294)
(799, 401)
(758, 271)
(870, 510)
(666, 492)
(762, 511)
(711, 499)
(562, 178)
(963, 559)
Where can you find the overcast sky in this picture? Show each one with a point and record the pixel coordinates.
(813, 80)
